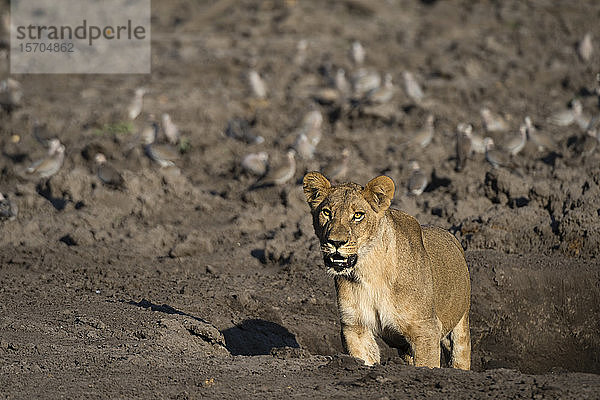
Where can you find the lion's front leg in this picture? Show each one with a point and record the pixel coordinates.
(359, 342)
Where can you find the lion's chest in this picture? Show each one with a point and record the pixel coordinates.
(368, 305)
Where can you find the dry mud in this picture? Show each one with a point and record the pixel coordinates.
(187, 284)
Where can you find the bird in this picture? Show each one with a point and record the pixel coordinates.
(363, 81)
(585, 47)
(568, 116)
(357, 53)
(424, 136)
(311, 126)
(280, 175)
(496, 157)
(239, 129)
(170, 129)
(382, 94)
(417, 182)
(464, 147)
(51, 164)
(341, 83)
(255, 163)
(304, 147)
(11, 94)
(8, 211)
(412, 87)
(257, 85)
(516, 143)
(300, 56)
(163, 154)
(491, 122)
(107, 173)
(593, 127)
(136, 105)
(537, 138)
(338, 169)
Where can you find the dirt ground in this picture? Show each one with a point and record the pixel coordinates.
(187, 284)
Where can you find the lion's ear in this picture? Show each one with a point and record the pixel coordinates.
(379, 192)
(316, 188)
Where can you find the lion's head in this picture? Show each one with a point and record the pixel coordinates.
(345, 216)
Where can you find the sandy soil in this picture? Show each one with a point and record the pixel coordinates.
(186, 284)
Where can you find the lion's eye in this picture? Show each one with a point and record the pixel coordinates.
(358, 216)
(326, 213)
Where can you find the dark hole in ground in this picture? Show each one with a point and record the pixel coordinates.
(255, 337)
(46, 192)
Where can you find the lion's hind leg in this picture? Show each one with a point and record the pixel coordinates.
(461, 344)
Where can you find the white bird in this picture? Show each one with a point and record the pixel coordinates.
(412, 87)
(311, 126)
(516, 143)
(357, 53)
(281, 175)
(363, 81)
(164, 155)
(538, 138)
(585, 48)
(568, 116)
(107, 173)
(341, 83)
(136, 105)
(491, 122)
(417, 182)
(8, 210)
(424, 136)
(255, 163)
(304, 147)
(464, 148)
(170, 129)
(258, 86)
(51, 164)
(382, 94)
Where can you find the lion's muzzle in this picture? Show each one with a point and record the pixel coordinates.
(338, 262)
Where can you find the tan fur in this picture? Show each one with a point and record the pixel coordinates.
(392, 276)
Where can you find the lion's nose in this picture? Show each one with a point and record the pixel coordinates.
(337, 243)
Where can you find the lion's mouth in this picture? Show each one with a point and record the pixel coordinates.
(338, 262)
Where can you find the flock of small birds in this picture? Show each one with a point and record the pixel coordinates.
(364, 87)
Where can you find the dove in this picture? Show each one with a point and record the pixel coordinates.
(304, 147)
(382, 94)
(50, 165)
(311, 126)
(11, 94)
(8, 211)
(477, 142)
(170, 129)
(107, 173)
(341, 83)
(463, 145)
(491, 122)
(239, 129)
(363, 81)
(417, 182)
(424, 136)
(257, 85)
(280, 175)
(412, 87)
(357, 53)
(164, 155)
(585, 48)
(495, 157)
(516, 143)
(135, 108)
(537, 138)
(567, 117)
(255, 163)
(338, 169)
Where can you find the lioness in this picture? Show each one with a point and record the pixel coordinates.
(393, 277)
